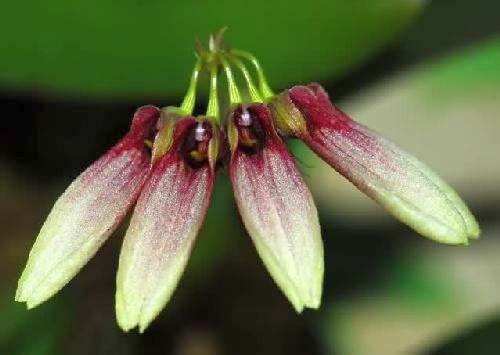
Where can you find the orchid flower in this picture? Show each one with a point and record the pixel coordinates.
(406, 187)
(165, 167)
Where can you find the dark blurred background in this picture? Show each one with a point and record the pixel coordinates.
(424, 73)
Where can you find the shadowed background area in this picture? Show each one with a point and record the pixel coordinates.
(424, 73)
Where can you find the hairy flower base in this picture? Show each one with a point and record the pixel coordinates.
(87, 213)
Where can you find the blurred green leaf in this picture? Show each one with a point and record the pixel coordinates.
(480, 340)
(145, 48)
(473, 72)
(428, 295)
(37, 332)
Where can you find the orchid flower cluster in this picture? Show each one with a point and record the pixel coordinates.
(165, 167)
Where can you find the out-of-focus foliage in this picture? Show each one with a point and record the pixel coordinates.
(445, 112)
(419, 301)
(145, 48)
(23, 333)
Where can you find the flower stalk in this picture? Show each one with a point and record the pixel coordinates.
(234, 92)
(265, 89)
(213, 97)
(189, 101)
(252, 90)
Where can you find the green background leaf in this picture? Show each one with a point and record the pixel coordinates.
(145, 48)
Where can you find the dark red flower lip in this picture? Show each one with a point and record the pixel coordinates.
(250, 127)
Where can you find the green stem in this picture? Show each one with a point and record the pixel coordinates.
(264, 87)
(213, 99)
(187, 105)
(252, 90)
(234, 93)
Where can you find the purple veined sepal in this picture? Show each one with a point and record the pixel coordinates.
(165, 222)
(87, 213)
(276, 206)
(406, 187)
